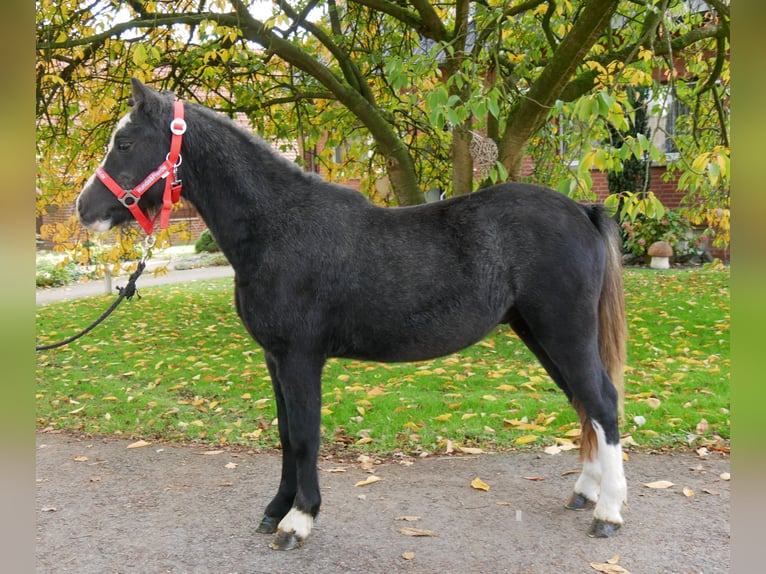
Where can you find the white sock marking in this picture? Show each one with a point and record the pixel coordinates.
(297, 522)
(614, 489)
(589, 482)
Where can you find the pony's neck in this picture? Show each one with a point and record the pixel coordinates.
(241, 188)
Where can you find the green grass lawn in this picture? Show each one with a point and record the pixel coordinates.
(178, 365)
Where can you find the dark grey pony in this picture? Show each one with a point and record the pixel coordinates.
(322, 272)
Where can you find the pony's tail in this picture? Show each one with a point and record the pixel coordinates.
(613, 331)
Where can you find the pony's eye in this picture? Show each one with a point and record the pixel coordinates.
(123, 146)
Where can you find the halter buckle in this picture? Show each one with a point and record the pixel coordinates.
(129, 198)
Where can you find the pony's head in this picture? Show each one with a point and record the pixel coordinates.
(137, 150)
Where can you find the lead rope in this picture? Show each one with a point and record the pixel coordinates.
(126, 292)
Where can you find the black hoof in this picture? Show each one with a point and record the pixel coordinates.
(602, 529)
(268, 525)
(579, 502)
(287, 541)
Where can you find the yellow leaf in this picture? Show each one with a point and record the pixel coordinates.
(369, 480)
(489, 398)
(526, 439)
(139, 444)
(608, 568)
(444, 417)
(688, 492)
(408, 555)
(530, 426)
(407, 531)
(479, 484)
(653, 402)
(364, 440)
(659, 484)
(507, 388)
(467, 416)
(470, 450)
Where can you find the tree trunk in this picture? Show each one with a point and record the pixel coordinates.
(462, 161)
(533, 111)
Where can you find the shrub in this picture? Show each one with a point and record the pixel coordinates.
(672, 228)
(206, 243)
(56, 274)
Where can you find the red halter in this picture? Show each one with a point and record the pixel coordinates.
(129, 198)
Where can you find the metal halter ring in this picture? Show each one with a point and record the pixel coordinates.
(178, 126)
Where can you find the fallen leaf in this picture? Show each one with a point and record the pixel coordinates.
(608, 568)
(702, 426)
(369, 480)
(653, 402)
(725, 476)
(80, 458)
(408, 555)
(48, 509)
(470, 450)
(659, 484)
(688, 492)
(231, 465)
(336, 469)
(502, 503)
(526, 439)
(568, 472)
(479, 484)
(408, 531)
(710, 491)
(552, 449)
(534, 478)
(212, 452)
(139, 444)
(364, 440)
(408, 518)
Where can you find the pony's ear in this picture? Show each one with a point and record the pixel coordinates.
(141, 93)
(143, 96)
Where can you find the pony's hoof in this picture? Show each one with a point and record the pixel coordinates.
(602, 529)
(579, 502)
(287, 541)
(268, 525)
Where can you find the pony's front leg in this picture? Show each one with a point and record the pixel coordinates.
(299, 378)
(283, 500)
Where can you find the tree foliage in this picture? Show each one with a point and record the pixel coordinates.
(404, 88)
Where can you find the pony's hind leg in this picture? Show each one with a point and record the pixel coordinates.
(574, 364)
(601, 484)
(588, 485)
(607, 516)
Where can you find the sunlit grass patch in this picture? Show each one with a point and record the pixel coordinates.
(178, 365)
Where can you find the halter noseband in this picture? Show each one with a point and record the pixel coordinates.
(172, 194)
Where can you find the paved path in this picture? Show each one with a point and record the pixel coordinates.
(147, 279)
(104, 508)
